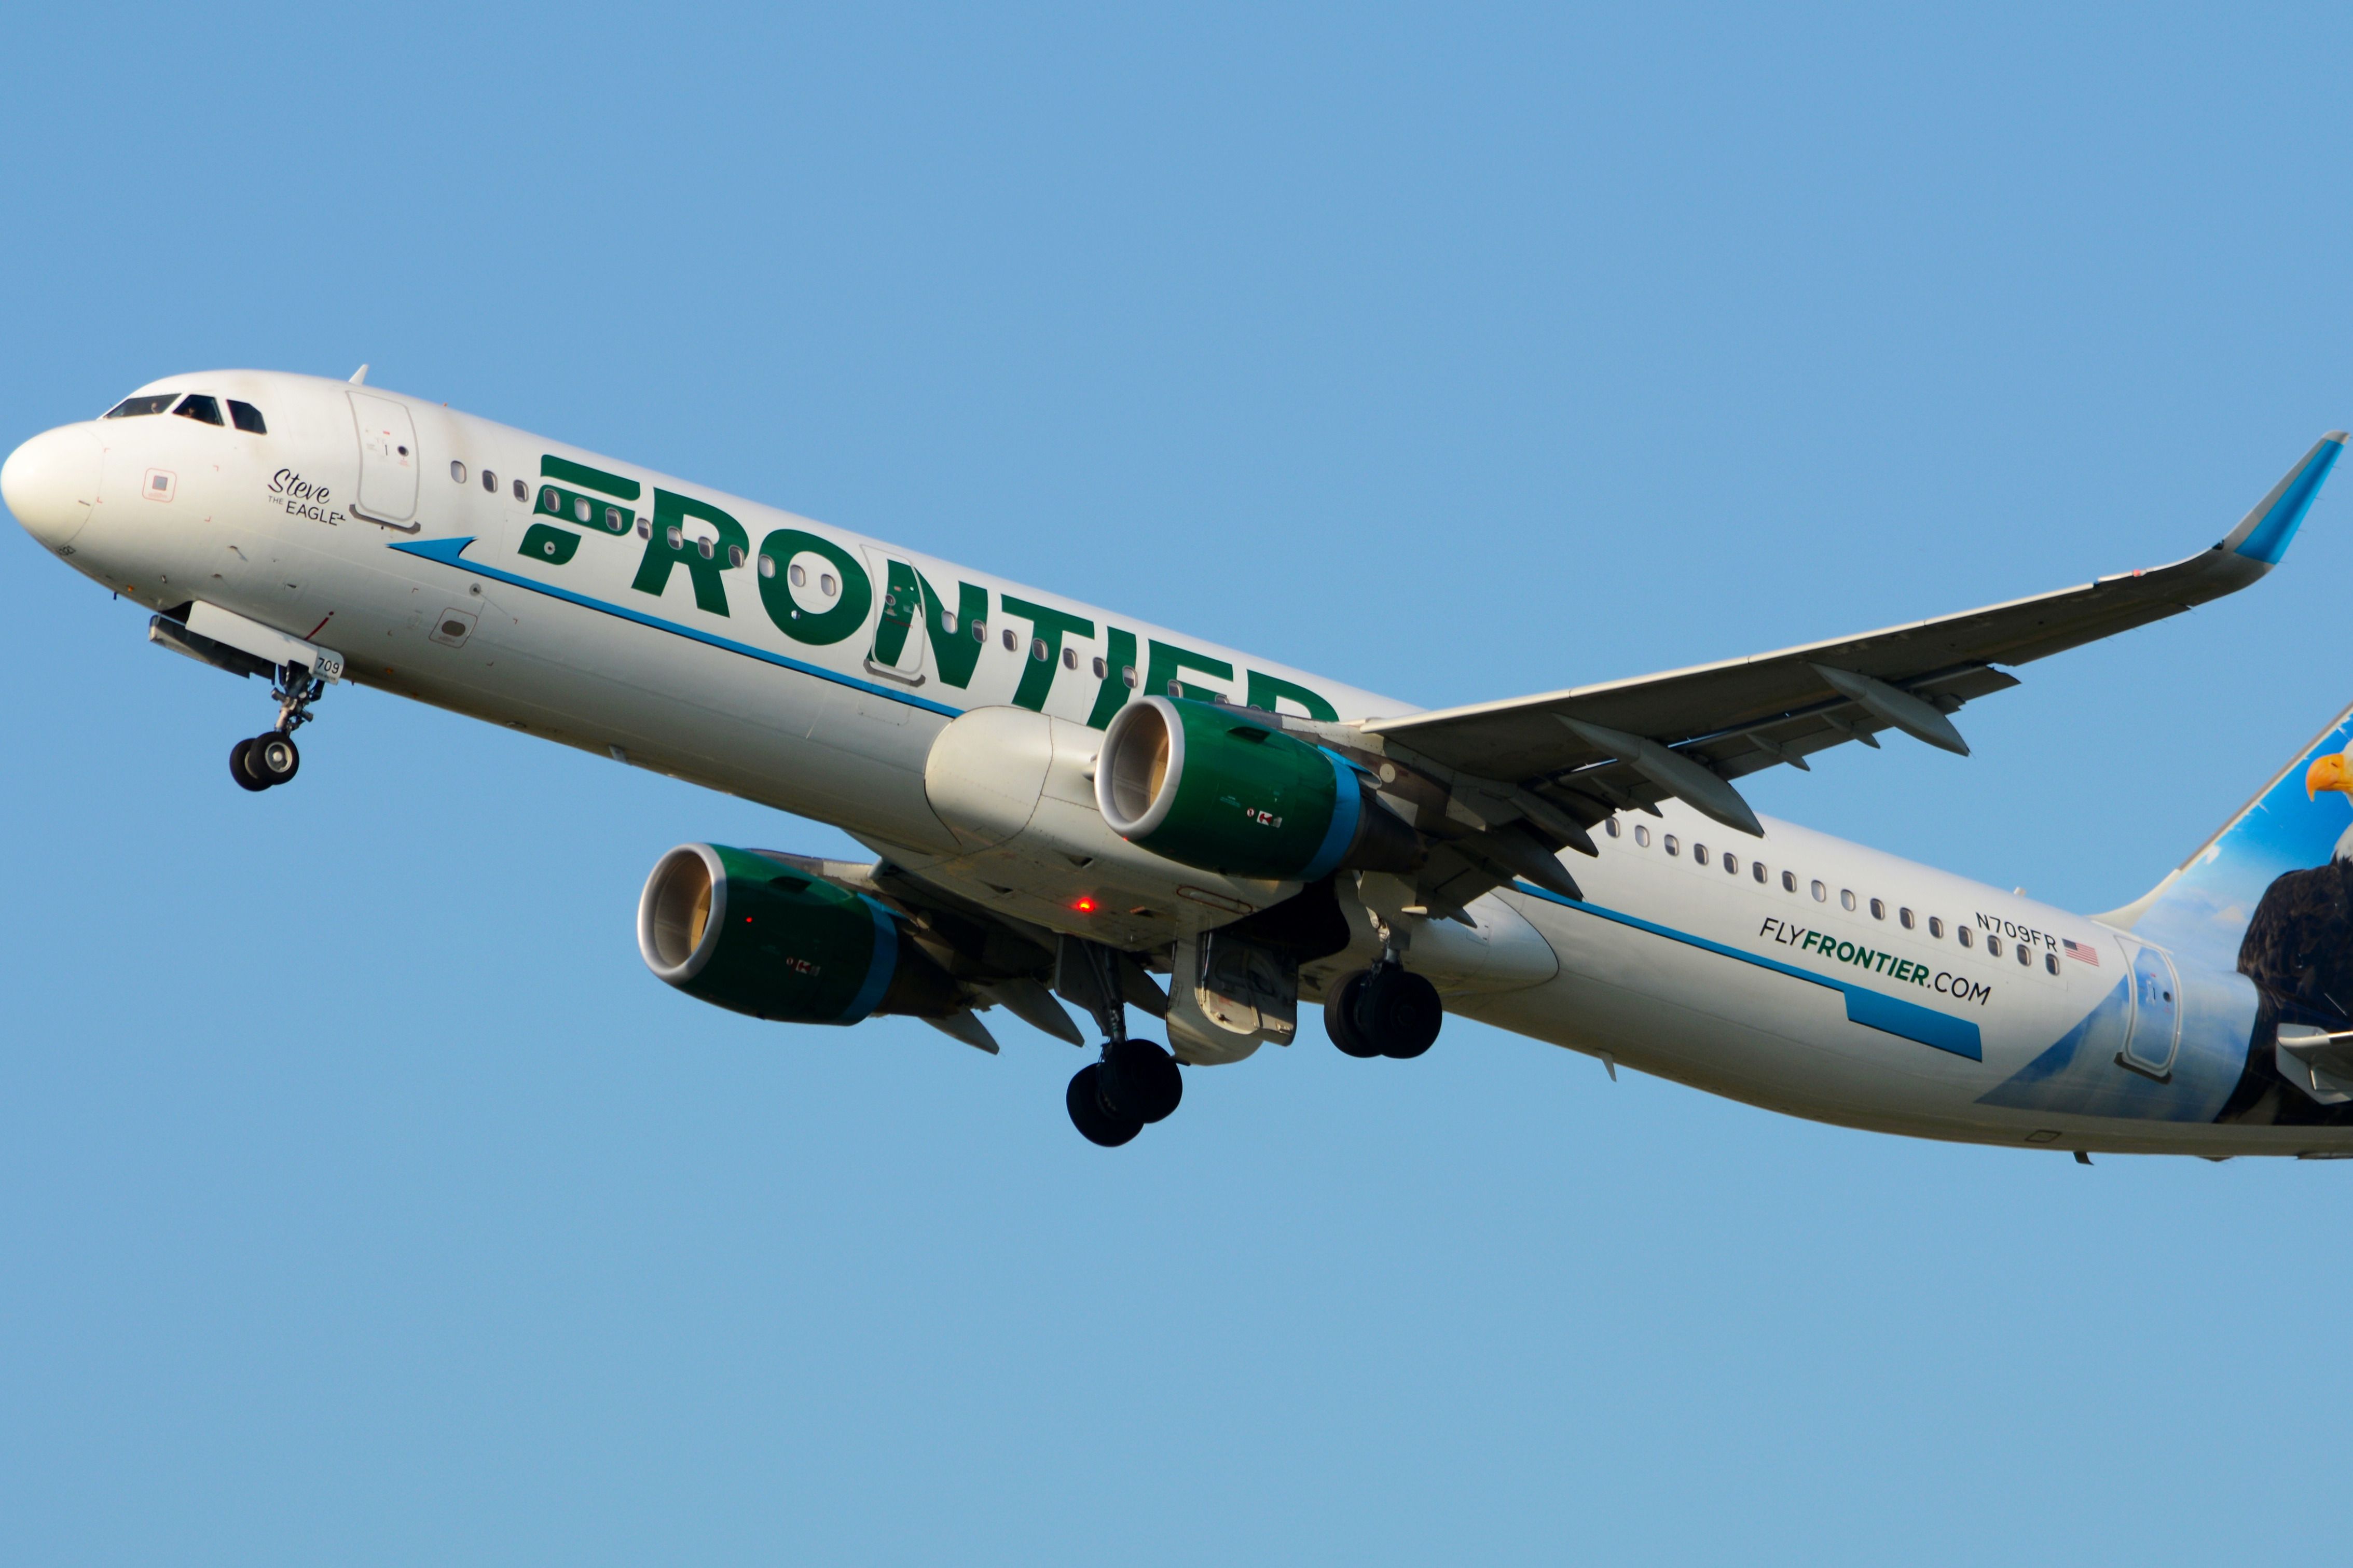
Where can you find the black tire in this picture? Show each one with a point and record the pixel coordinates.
(274, 759)
(1399, 1012)
(1095, 1124)
(1340, 1017)
(236, 755)
(1146, 1087)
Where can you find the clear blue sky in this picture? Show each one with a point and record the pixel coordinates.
(362, 1198)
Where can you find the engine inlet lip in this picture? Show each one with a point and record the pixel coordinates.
(1113, 761)
(655, 910)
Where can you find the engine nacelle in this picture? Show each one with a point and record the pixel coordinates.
(735, 929)
(1205, 785)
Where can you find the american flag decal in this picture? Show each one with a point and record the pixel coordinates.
(2083, 951)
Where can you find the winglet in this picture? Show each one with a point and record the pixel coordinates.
(2263, 534)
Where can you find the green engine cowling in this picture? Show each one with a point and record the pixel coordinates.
(740, 930)
(1208, 785)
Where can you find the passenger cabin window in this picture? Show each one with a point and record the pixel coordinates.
(490, 481)
(522, 490)
(1758, 867)
(1846, 898)
(1904, 916)
(1936, 926)
(1731, 864)
(131, 407)
(458, 472)
(1789, 881)
(2025, 954)
(1878, 910)
(1961, 934)
(2051, 962)
(1673, 847)
(1611, 827)
(198, 406)
(1699, 853)
(1993, 945)
(1821, 894)
(1069, 659)
(248, 418)
(1641, 836)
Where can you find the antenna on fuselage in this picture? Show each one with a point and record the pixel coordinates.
(359, 376)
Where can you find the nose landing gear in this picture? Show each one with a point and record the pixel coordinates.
(266, 760)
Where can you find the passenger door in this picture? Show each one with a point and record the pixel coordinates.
(388, 463)
(2156, 1014)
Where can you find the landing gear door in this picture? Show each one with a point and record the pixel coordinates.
(2155, 1015)
(388, 462)
(899, 651)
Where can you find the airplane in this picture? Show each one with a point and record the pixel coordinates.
(1069, 805)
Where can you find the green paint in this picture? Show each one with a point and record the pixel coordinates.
(1167, 659)
(589, 512)
(550, 546)
(1252, 802)
(902, 601)
(554, 468)
(818, 629)
(906, 594)
(954, 646)
(672, 511)
(1265, 689)
(1112, 695)
(793, 949)
(1047, 624)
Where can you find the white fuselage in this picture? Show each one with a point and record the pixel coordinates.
(1856, 1003)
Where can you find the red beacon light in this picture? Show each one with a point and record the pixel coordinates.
(1085, 906)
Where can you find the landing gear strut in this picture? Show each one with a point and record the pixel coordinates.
(1135, 1082)
(273, 759)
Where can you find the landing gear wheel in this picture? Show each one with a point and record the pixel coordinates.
(1340, 1016)
(1398, 1011)
(1095, 1124)
(236, 755)
(1145, 1086)
(273, 758)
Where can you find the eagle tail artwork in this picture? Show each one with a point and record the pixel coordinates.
(2271, 894)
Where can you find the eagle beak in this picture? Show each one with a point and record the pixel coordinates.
(2326, 773)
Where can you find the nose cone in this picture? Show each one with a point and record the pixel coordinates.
(51, 481)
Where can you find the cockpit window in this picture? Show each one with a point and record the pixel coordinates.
(130, 406)
(246, 416)
(196, 405)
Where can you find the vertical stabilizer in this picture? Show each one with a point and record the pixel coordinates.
(2271, 894)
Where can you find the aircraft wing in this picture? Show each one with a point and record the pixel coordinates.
(1589, 750)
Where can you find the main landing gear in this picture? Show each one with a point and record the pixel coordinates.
(266, 760)
(1384, 1011)
(1135, 1082)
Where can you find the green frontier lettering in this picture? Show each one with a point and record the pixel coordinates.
(670, 513)
(1160, 680)
(816, 628)
(1265, 690)
(955, 647)
(1119, 661)
(1901, 969)
(1047, 626)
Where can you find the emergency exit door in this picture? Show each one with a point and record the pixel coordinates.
(2155, 1015)
(388, 462)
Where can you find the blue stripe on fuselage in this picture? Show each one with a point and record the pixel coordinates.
(1871, 1009)
(449, 553)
